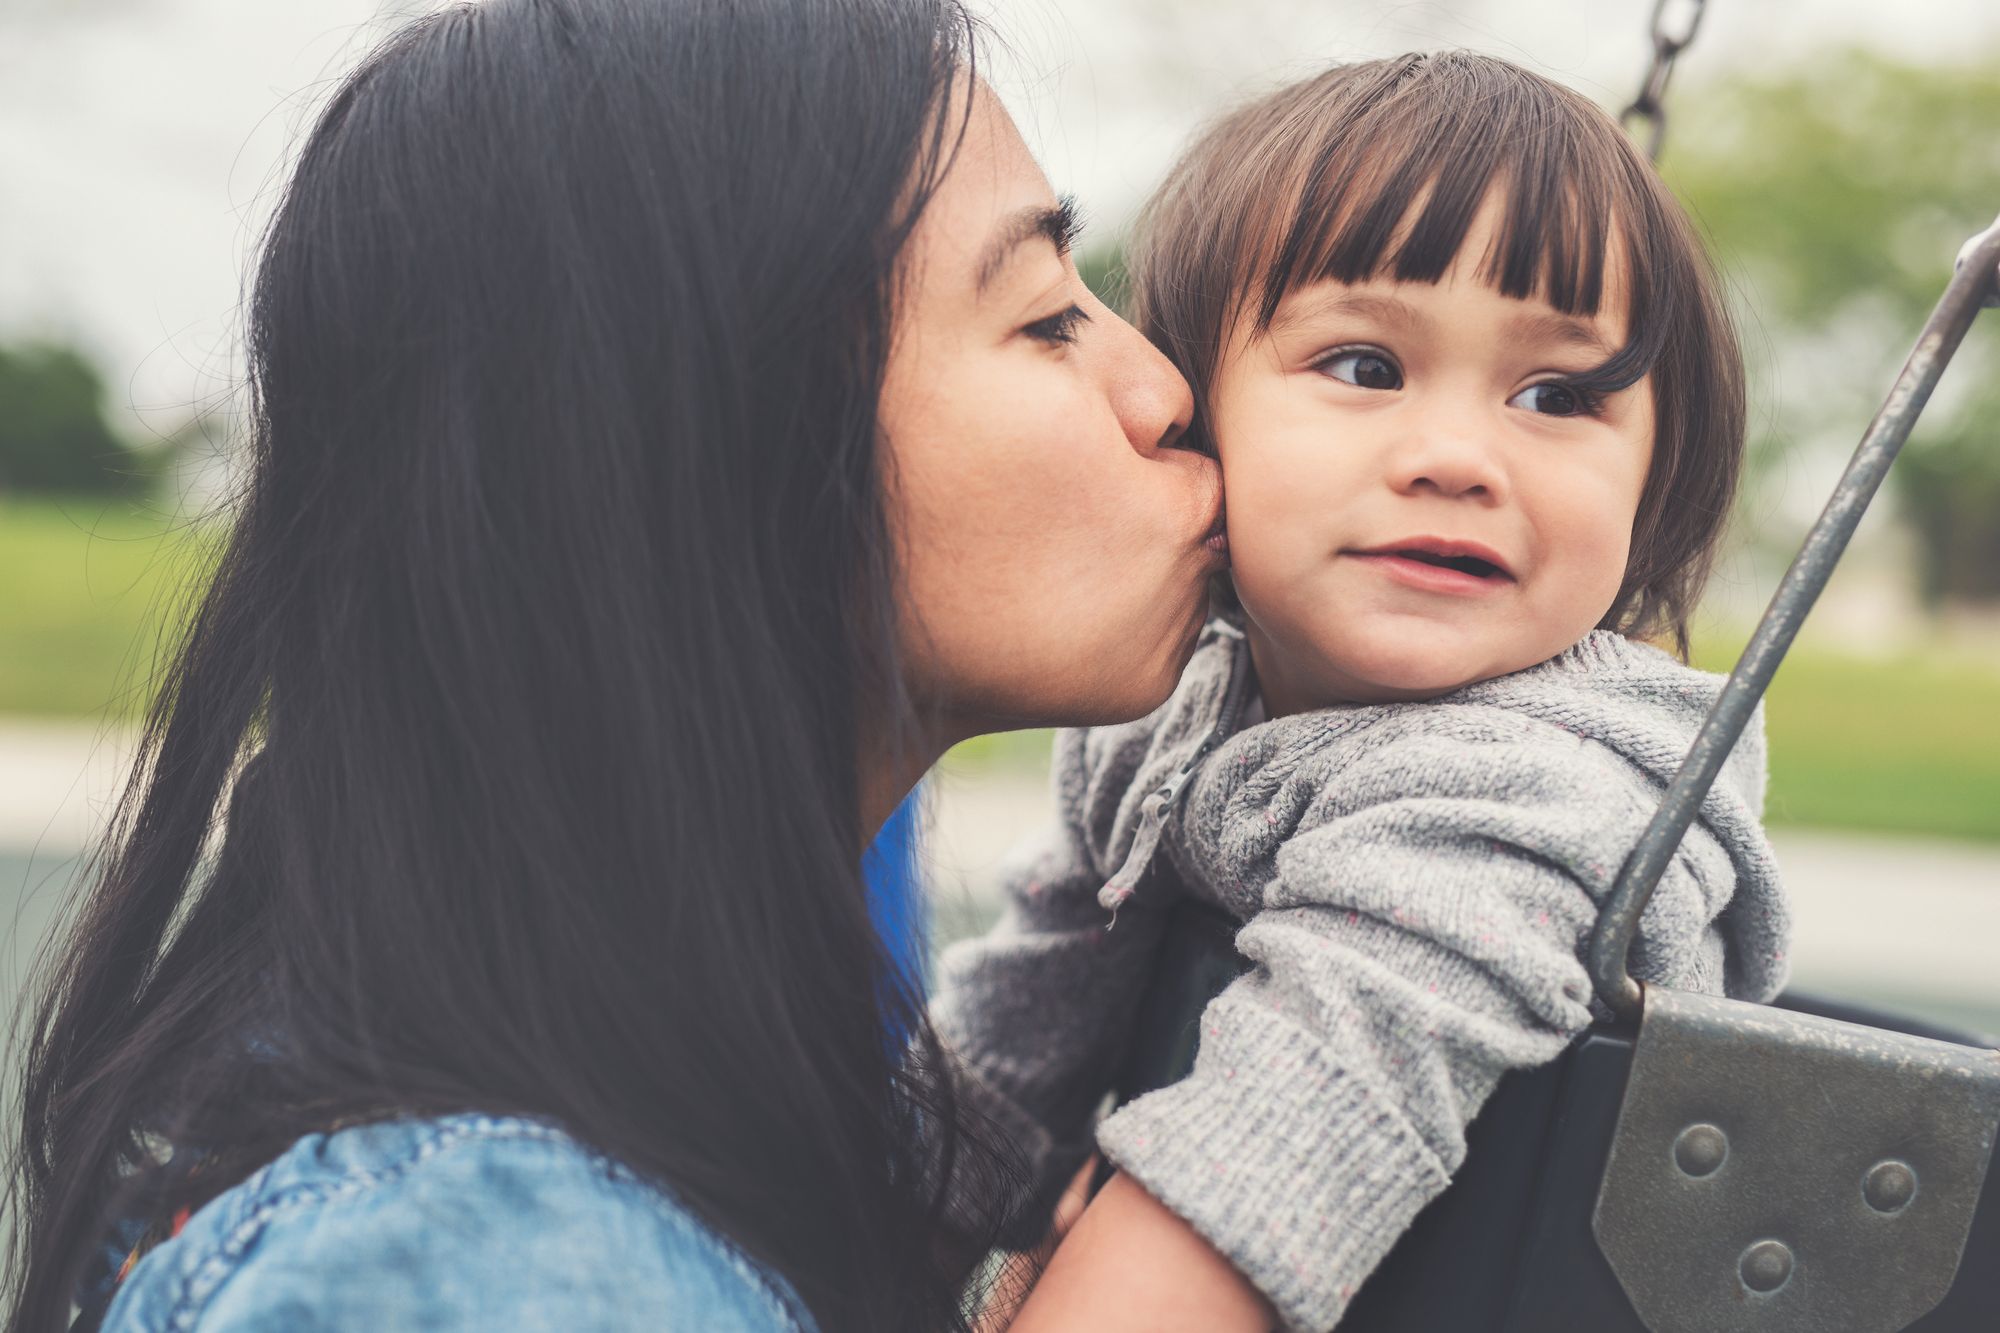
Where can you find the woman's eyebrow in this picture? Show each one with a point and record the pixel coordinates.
(1058, 223)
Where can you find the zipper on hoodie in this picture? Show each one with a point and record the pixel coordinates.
(1153, 817)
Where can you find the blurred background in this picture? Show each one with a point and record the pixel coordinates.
(1837, 152)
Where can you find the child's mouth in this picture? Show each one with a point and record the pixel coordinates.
(1436, 565)
(1465, 564)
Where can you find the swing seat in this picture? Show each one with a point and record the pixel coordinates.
(1811, 1166)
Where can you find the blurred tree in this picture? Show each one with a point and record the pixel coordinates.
(53, 433)
(1839, 192)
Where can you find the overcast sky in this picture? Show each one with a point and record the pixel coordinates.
(140, 140)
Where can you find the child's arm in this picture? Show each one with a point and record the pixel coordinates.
(1411, 950)
(1040, 1008)
(1130, 1264)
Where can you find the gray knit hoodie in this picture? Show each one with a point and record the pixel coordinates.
(1418, 884)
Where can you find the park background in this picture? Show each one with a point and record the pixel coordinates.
(1837, 152)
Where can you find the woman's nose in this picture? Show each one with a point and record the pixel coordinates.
(1151, 399)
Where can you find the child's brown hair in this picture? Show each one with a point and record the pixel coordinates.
(1378, 169)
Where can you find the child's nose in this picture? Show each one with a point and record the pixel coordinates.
(1450, 458)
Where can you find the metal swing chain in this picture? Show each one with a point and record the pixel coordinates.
(1669, 41)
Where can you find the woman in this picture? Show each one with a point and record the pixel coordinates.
(674, 425)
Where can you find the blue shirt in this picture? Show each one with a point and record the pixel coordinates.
(462, 1222)
(476, 1222)
(896, 901)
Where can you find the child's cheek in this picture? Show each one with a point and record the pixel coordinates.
(1591, 548)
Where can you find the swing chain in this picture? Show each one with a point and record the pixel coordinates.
(1669, 40)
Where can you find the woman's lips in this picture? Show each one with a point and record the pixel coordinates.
(1425, 577)
(1217, 540)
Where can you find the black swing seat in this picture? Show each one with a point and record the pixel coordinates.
(1806, 1167)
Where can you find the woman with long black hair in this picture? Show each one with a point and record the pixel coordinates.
(675, 422)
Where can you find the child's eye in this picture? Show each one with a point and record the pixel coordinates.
(1556, 399)
(1059, 329)
(1363, 368)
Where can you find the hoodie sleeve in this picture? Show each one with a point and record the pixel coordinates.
(1422, 931)
(1039, 1009)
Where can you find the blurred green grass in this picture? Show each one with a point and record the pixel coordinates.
(87, 585)
(1905, 744)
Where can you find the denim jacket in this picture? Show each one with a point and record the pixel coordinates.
(462, 1222)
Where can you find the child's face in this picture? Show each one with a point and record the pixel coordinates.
(1375, 420)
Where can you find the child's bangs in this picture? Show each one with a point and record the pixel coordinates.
(1402, 169)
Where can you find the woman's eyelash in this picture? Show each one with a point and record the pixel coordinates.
(1068, 223)
(1059, 329)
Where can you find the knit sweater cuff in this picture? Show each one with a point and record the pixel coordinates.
(1299, 1173)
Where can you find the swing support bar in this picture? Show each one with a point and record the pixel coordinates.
(1974, 284)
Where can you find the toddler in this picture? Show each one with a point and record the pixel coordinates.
(1480, 416)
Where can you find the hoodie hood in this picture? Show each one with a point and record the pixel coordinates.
(1220, 801)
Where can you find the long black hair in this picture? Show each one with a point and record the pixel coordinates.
(510, 761)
